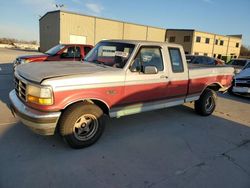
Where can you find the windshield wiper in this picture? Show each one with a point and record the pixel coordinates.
(98, 62)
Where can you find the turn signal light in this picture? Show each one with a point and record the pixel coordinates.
(37, 100)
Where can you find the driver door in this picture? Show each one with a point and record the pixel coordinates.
(141, 87)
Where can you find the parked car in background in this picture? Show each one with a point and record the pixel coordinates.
(203, 60)
(117, 78)
(60, 52)
(241, 82)
(238, 64)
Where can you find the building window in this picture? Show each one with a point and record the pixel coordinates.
(171, 39)
(187, 38)
(205, 54)
(198, 39)
(196, 53)
(216, 42)
(186, 52)
(237, 45)
(207, 40)
(222, 42)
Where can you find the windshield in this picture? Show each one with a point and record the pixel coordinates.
(55, 49)
(189, 58)
(247, 66)
(112, 54)
(237, 62)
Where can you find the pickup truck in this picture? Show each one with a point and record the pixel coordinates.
(118, 78)
(60, 52)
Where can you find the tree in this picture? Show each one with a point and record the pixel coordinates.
(245, 51)
(12, 40)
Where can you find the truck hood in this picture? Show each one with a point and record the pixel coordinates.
(37, 72)
(243, 74)
(33, 56)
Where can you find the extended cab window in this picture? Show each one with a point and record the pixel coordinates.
(148, 56)
(176, 60)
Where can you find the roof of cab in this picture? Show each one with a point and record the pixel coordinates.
(143, 42)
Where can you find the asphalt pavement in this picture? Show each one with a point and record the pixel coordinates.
(172, 147)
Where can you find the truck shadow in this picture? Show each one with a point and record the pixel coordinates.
(6, 69)
(6, 81)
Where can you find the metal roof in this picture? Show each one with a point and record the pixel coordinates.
(80, 14)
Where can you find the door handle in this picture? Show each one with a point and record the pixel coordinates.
(162, 77)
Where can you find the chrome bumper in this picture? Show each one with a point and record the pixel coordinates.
(43, 123)
(241, 89)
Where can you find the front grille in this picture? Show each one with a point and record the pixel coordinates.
(20, 88)
(242, 84)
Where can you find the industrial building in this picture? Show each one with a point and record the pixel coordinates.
(59, 27)
(204, 43)
(69, 27)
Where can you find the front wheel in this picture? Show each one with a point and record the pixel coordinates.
(82, 125)
(206, 104)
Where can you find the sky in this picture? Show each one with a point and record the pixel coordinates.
(20, 18)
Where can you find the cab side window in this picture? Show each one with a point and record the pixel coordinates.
(148, 56)
(72, 52)
(86, 50)
(176, 60)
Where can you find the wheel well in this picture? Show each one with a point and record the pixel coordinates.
(214, 87)
(98, 103)
(102, 105)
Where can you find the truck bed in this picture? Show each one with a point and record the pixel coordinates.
(208, 71)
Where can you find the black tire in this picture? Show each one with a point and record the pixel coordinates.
(206, 105)
(81, 125)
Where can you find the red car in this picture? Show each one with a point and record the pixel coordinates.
(60, 52)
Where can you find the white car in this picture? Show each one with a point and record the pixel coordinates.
(242, 81)
(238, 64)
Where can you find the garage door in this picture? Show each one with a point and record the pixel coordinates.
(77, 39)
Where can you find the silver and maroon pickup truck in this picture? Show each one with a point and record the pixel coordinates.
(118, 78)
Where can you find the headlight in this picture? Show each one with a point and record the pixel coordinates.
(40, 95)
(22, 61)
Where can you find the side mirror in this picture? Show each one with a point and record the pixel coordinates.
(150, 70)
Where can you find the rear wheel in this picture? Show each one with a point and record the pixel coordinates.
(82, 125)
(205, 106)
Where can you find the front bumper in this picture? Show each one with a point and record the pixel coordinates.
(43, 123)
(241, 89)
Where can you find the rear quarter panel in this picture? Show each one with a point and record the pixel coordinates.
(200, 78)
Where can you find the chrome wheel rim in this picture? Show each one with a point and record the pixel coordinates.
(85, 127)
(209, 104)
